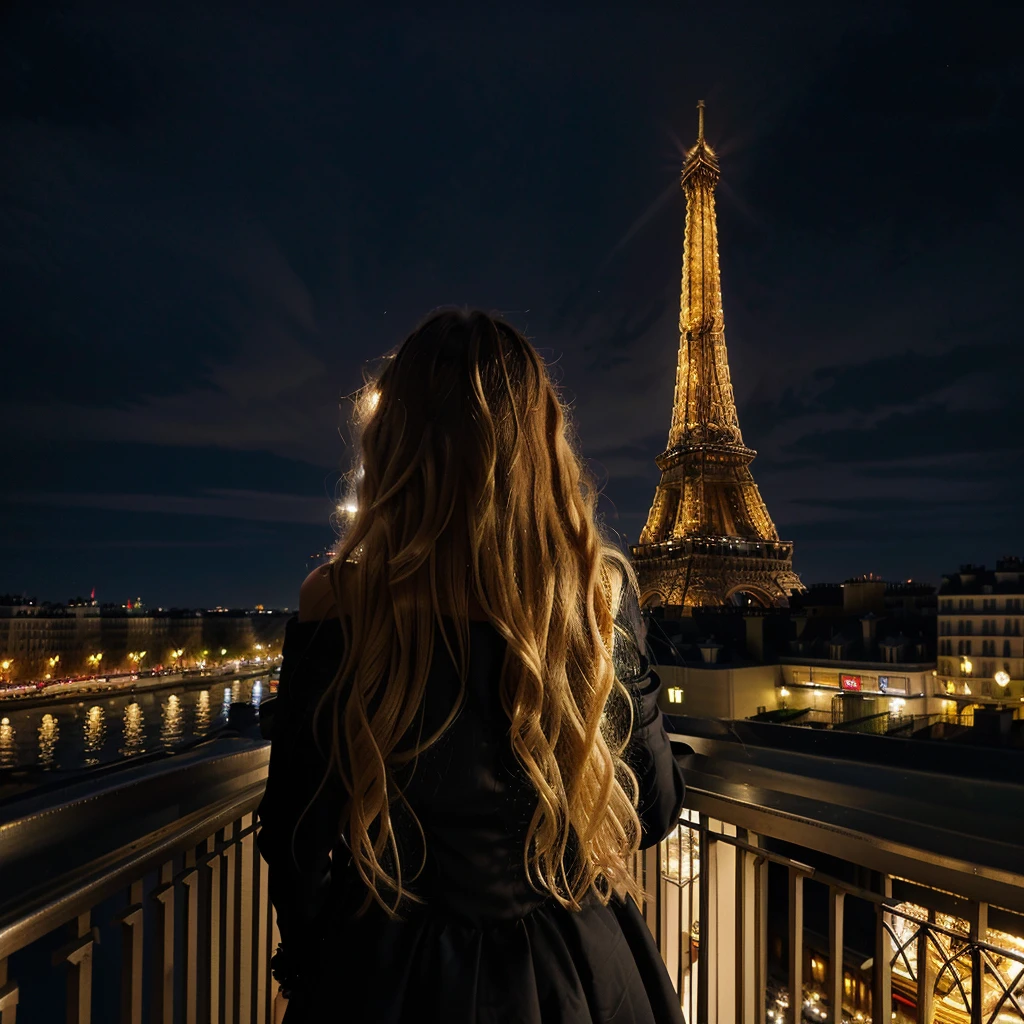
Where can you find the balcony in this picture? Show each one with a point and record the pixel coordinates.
(814, 876)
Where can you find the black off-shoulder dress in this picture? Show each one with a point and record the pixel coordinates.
(486, 948)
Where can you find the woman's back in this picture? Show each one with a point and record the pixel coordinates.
(461, 769)
(484, 945)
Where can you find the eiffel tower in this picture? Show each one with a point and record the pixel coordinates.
(709, 539)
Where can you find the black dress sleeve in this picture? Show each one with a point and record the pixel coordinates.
(299, 817)
(649, 752)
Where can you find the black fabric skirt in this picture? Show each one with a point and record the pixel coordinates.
(553, 966)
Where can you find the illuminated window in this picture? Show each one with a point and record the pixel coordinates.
(675, 695)
(817, 969)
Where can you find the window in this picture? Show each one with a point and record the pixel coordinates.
(960, 627)
(1006, 648)
(970, 627)
(1007, 627)
(967, 647)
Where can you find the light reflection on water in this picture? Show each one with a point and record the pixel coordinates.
(8, 753)
(171, 731)
(134, 735)
(94, 730)
(106, 727)
(49, 733)
(203, 712)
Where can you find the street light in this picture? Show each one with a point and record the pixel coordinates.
(1002, 677)
(95, 659)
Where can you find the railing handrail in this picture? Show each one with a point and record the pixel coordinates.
(949, 832)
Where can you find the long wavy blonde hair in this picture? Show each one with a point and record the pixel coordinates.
(466, 486)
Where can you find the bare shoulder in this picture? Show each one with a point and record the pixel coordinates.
(316, 596)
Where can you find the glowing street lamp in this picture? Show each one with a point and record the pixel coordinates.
(1002, 677)
(94, 659)
(223, 651)
(135, 657)
(966, 666)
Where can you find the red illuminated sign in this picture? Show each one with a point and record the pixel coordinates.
(850, 682)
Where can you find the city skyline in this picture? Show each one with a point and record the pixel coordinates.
(214, 224)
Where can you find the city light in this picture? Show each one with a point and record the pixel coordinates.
(135, 657)
(223, 651)
(94, 659)
(1002, 677)
(783, 692)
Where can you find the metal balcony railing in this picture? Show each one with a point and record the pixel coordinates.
(814, 876)
(139, 895)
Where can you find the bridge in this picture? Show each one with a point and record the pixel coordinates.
(811, 878)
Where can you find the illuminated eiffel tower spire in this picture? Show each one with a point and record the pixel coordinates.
(708, 536)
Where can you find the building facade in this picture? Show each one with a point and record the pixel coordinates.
(981, 633)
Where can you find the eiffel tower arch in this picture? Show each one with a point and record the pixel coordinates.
(708, 538)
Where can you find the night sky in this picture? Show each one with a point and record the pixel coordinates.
(210, 222)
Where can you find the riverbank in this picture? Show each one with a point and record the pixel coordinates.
(72, 693)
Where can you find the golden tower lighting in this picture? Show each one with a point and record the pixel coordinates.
(708, 537)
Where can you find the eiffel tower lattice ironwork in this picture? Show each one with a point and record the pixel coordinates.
(708, 537)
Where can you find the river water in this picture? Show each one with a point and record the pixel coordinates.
(110, 727)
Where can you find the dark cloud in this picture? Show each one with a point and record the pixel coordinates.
(210, 220)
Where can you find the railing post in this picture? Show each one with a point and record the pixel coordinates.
(925, 973)
(979, 933)
(190, 879)
(796, 945)
(131, 956)
(262, 940)
(650, 877)
(703, 916)
(747, 934)
(77, 954)
(881, 995)
(163, 949)
(212, 931)
(836, 906)
(761, 945)
(8, 995)
(243, 935)
(230, 926)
